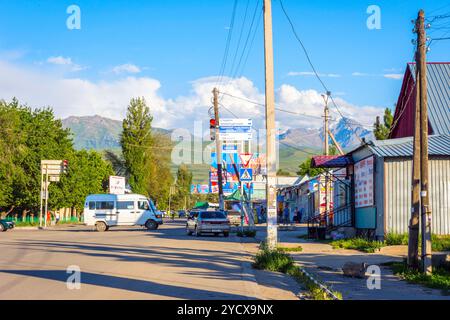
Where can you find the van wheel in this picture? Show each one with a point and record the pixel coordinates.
(151, 225)
(101, 227)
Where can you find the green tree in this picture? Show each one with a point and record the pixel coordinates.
(159, 177)
(183, 186)
(306, 169)
(382, 130)
(136, 142)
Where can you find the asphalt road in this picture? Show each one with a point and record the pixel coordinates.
(133, 263)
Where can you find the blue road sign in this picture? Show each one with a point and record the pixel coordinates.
(246, 174)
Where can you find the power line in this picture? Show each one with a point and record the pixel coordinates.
(240, 38)
(227, 46)
(312, 66)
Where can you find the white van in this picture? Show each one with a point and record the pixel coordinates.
(107, 210)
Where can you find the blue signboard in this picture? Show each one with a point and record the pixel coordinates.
(246, 174)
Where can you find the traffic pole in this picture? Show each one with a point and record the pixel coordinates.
(271, 201)
(218, 148)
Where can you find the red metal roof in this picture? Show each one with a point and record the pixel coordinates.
(330, 161)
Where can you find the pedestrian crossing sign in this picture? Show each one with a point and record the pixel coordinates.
(246, 174)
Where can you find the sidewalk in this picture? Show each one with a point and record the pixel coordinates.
(325, 263)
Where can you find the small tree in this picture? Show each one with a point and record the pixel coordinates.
(382, 130)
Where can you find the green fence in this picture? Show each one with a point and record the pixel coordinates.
(34, 221)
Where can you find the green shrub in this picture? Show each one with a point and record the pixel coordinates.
(291, 249)
(246, 233)
(357, 244)
(395, 239)
(273, 260)
(440, 243)
(439, 279)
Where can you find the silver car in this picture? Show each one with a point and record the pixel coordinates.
(215, 222)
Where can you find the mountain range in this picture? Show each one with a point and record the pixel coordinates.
(100, 133)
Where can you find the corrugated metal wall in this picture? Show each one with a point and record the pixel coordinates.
(398, 194)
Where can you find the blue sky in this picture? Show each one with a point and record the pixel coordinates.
(176, 43)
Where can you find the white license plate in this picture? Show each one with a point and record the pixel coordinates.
(217, 230)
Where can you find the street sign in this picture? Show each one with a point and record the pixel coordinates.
(229, 148)
(235, 129)
(246, 174)
(245, 158)
(54, 178)
(116, 185)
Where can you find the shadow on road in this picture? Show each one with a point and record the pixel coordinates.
(129, 284)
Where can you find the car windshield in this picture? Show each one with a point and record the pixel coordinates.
(212, 215)
(152, 205)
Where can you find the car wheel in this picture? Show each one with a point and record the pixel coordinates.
(3, 228)
(101, 227)
(226, 234)
(196, 232)
(151, 225)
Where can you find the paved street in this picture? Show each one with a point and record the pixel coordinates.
(133, 263)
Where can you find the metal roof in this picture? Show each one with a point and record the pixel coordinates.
(438, 145)
(438, 89)
(331, 161)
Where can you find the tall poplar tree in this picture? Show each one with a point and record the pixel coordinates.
(136, 142)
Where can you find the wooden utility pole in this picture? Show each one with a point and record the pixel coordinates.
(218, 148)
(326, 148)
(271, 201)
(425, 200)
(413, 240)
(325, 125)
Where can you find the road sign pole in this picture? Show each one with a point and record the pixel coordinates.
(46, 196)
(40, 195)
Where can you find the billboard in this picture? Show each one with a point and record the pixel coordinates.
(364, 183)
(116, 185)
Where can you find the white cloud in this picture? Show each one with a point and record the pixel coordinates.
(77, 96)
(67, 62)
(126, 68)
(395, 76)
(308, 73)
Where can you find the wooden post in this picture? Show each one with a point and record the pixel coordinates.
(424, 193)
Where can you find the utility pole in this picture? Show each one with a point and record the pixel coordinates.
(271, 201)
(425, 200)
(325, 124)
(413, 239)
(326, 152)
(218, 148)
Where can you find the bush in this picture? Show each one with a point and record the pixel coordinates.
(440, 243)
(246, 233)
(273, 260)
(357, 244)
(395, 239)
(291, 249)
(439, 279)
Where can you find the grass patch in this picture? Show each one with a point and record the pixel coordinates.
(291, 249)
(357, 244)
(246, 233)
(396, 239)
(439, 279)
(280, 261)
(440, 243)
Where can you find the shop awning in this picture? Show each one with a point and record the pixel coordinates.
(331, 161)
(235, 196)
